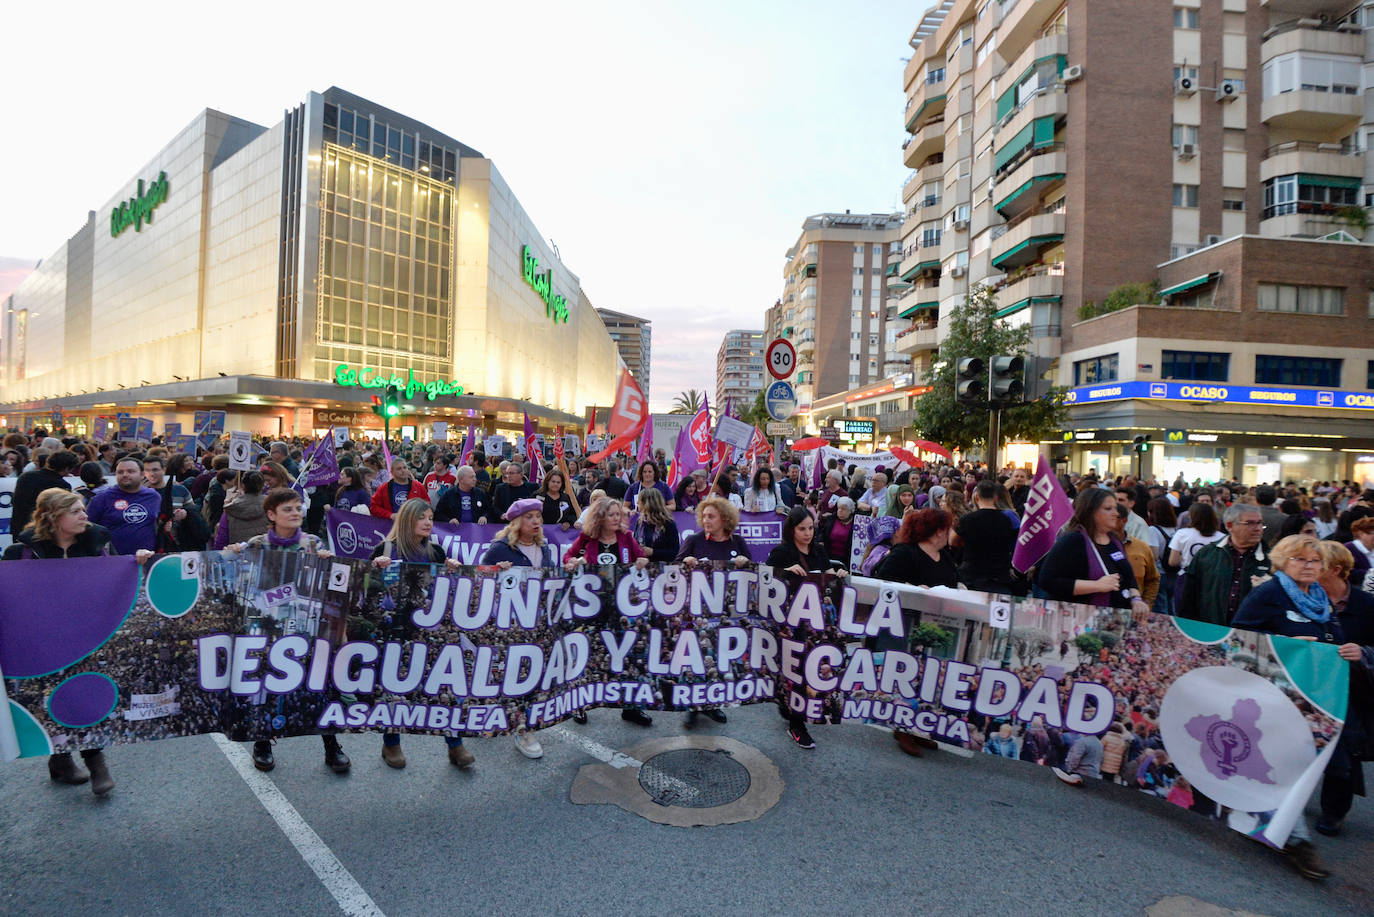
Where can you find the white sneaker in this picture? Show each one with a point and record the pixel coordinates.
(1070, 779)
(529, 746)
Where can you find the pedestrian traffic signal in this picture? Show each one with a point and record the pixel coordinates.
(969, 387)
(377, 407)
(1005, 383)
(391, 399)
(1142, 444)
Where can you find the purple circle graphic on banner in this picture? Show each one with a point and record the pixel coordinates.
(80, 609)
(83, 700)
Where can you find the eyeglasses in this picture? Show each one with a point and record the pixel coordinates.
(1249, 522)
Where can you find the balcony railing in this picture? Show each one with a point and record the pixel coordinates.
(1310, 146)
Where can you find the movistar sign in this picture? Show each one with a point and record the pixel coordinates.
(555, 306)
(138, 209)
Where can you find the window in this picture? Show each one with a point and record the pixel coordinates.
(1195, 365)
(1283, 297)
(858, 271)
(1311, 72)
(1271, 369)
(1233, 199)
(1369, 375)
(930, 237)
(936, 75)
(1180, 72)
(1185, 195)
(1179, 250)
(1185, 133)
(1098, 369)
(1185, 18)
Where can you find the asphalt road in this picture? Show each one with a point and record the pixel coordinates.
(861, 828)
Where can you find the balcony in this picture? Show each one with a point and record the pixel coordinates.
(1304, 220)
(912, 185)
(1025, 238)
(1021, 189)
(926, 102)
(1046, 102)
(1298, 156)
(928, 139)
(932, 208)
(1022, 20)
(895, 421)
(1309, 35)
(920, 297)
(1034, 284)
(1312, 111)
(919, 338)
(1052, 44)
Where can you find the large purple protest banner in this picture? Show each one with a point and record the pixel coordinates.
(279, 643)
(354, 535)
(276, 643)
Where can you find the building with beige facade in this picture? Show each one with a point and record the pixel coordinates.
(740, 374)
(274, 272)
(1215, 148)
(633, 338)
(836, 307)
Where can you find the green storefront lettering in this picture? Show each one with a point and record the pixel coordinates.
(138, 209)
(367, 377)
(555, 306)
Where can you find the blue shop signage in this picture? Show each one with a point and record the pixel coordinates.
(1219, 392)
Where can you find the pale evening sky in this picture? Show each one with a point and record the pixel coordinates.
(670, 150)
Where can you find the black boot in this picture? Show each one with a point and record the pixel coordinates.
(62, 769)
(101, 781)
(262, 755)
(334, 757)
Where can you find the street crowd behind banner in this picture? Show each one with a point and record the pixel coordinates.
(272, 643)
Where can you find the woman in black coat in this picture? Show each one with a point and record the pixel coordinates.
(1088, 564)
(920, 551)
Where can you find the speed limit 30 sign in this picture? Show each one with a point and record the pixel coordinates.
(781, 359)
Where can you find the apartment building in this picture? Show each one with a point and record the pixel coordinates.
(837, 308)
(633, 337)
(1216, 148)
(739, 368)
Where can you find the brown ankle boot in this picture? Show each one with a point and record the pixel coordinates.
(101, 781)
(62, 769)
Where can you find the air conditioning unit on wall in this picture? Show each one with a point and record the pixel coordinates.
(1185, 86)
(1227, 91)
(1187, 150)
(1073, 73)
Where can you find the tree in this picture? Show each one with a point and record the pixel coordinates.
(757, 414)
(976, 331)
(688, 402)
(925, 637)
(1029, 642)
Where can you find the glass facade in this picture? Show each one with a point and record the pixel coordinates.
(386, 267)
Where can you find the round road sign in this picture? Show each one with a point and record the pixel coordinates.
(780, 358)
(780, 399)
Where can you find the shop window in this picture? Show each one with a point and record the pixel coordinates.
(1369, 376)
(1195, 365)
(1098, 369)
(1271, 369)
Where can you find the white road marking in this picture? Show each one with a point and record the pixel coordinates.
(337, 880)
(618, 760)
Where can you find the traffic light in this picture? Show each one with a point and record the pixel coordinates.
(969, 387)
(377, 407)
(1141, 444)
(1005, 376)
(391, 400)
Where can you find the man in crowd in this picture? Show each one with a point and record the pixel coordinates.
(791, 485)
(1136, 527)
(32, 483)
(1272, 517)
(834, 489)
(615, 488)
(989, 538)
(180, 526)
(281, 454)
(465, 501)
(1221, 574)
(129, 509)
(1018, 488)
(513, 487)
(441, 476)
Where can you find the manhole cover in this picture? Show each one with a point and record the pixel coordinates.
(695, 778)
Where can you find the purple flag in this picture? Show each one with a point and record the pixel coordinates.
(467, 445)
(1047, 509)
(533, 453)
(646, 443)
(818, 469)
(321, 464)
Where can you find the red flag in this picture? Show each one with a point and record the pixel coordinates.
(558, 444)
(628, 417)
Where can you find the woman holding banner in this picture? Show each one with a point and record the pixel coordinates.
(408, 542)
(1088, 564)
(521, 544)
(646, 478)
(284, 512)
(715, 539)
(655, 528)
(59, 529)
